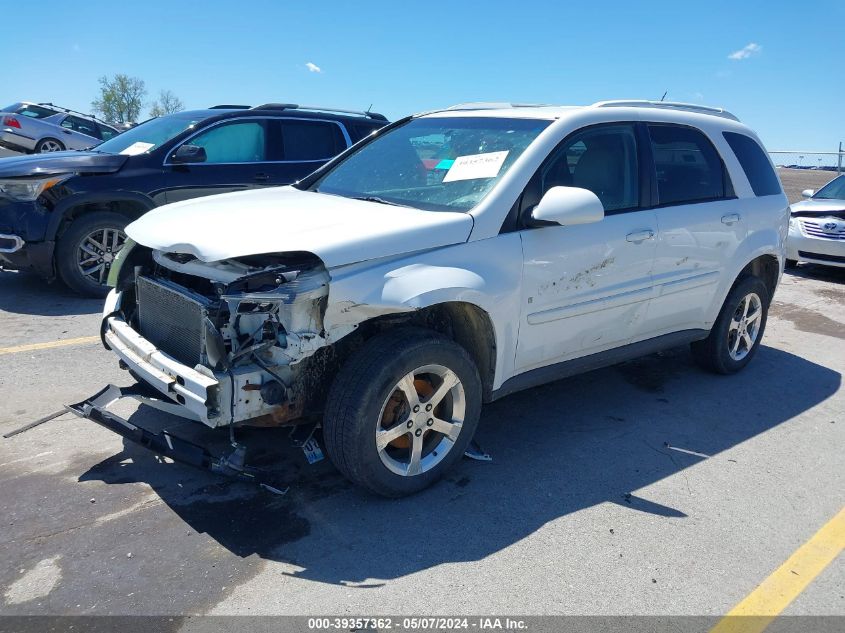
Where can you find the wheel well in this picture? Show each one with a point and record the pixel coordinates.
(129, 208)
(766, 268)
(466, 324)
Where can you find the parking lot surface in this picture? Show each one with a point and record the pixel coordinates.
(647, 488)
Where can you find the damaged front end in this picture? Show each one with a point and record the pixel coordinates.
(228, 342)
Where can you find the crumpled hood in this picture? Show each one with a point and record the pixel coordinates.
(818, 206)
(60, 163)
(284, 219)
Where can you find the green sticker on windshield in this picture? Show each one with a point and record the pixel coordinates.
(446, 163)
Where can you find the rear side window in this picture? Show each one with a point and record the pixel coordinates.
(106, 132)
(687, 166)
(755, 164)
(311, 140)
(89, 128)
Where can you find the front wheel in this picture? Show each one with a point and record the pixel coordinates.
(86, 250)
(402, 411)
(738, 329)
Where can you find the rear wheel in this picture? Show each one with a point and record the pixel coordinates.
(738, 329)
(402, 411)
(46, 145)
(86, 250)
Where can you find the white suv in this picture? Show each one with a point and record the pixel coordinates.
(446, 261)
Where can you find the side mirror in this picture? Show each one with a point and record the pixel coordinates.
(568, 206)
(808, 193)
(189, 154)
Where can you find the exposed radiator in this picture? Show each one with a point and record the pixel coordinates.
(171, 320)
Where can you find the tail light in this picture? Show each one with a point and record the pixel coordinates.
(11, 122)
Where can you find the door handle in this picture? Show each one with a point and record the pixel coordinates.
(640, 236)
(262, 177)
(731, 218)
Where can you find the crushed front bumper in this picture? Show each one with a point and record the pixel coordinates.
(196, 392)
(164, 443)
(215, 398)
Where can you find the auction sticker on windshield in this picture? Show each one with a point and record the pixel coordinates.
(476, 166)
(137, 148)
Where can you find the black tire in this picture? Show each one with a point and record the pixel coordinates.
(68, 250)
(791, 263)
(364, 386)
(714, 352)
(44, 142)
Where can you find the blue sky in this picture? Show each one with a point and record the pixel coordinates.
(407, 57)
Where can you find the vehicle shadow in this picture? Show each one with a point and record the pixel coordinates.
(557, 449)
(816, 271)
(27, 293)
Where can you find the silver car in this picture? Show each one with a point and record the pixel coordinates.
(43, 127)
(817, 226)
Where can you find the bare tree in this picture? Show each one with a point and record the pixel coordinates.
(167, 103)
(121, 98)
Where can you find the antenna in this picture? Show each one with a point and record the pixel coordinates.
(664, 95)
(369, 108)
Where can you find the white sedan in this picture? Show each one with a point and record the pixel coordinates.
(817, 226)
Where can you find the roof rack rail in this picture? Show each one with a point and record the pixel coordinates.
(668, 105)
(229, 106)
(493, 105)
(295, 106)
(69, 111)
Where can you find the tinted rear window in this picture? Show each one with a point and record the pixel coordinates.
(687, 166)
(311, 140)
(755, 164)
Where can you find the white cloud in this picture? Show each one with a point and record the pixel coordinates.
(746, 51)
(314, 68)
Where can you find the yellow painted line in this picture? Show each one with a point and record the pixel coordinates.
(787, 582)
(31, 347)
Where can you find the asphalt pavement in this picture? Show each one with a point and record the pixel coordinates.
(646, 488)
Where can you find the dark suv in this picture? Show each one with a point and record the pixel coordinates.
(64, 214)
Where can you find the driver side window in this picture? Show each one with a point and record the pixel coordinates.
(602, 159)
(241, 142)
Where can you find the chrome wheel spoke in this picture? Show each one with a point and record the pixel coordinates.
(414, 466)
(449, 382)
(386, 436)
(406, 386)
(450, 429)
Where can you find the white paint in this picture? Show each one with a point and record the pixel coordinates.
(278, 219)
(476, 166)
(35, 583)
(552, 293)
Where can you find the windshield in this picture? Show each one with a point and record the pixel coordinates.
(437, 164)
(834, 190)
(149, 135)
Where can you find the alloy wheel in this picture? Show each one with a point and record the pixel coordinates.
(97, 251)
(744, 327)
(420, 420)
(50, 146)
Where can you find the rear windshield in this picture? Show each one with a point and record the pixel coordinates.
(30, 110)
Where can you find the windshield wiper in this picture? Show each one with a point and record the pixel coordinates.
(379, 200)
